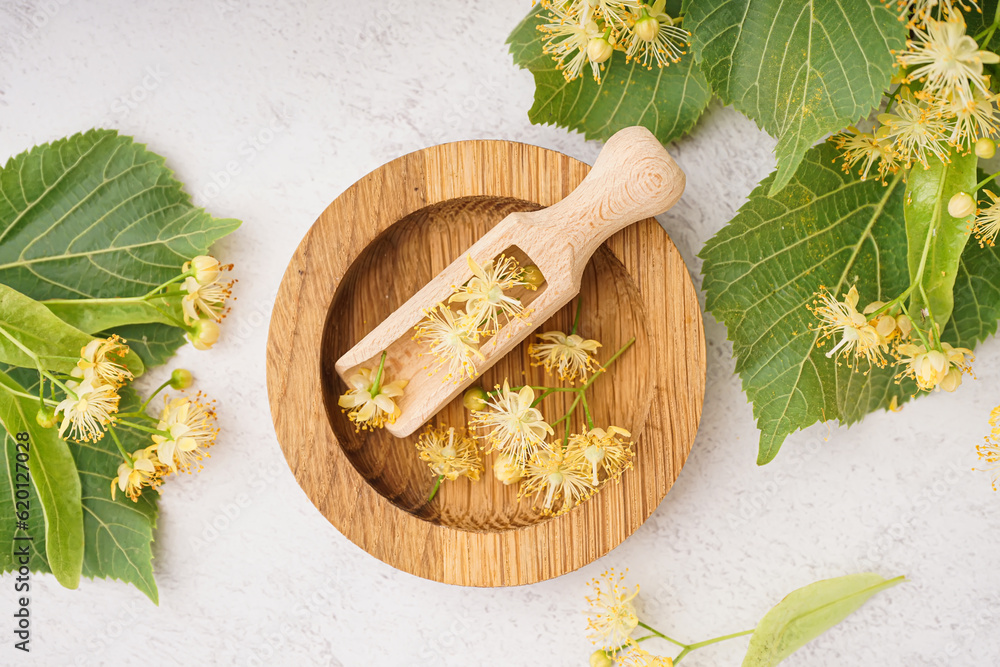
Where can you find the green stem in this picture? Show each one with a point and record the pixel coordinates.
(709, 642)
(586, 411)
(434, 491)
(541, 397)
(661, 635)
(176, 279)
(146, 429)
(38, 364)
(983, 182)
(138, 415)
(142, 408)
(607, 364)
(24, 394)
(121, 448)
(576, 319)
(377, 382)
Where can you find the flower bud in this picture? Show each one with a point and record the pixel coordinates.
(506, 470)
(961, 205)
(647, 28)
(952, 379)
(600, 659)
(474, 399)
(181, 378)
(204, 334)
(46, 417)
(599, 50)
(206, 269)
(986, 148)
(532, 275)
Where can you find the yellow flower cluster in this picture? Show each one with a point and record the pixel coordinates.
(204, 299)
(882, 330)
(582, 32)
(989, 449)
(611, 620)
(370, 401)
(558, 475)
(943, 102)
(92, 400)
(184, 432)
(453, 335)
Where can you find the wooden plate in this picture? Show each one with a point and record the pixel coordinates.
(372, 249)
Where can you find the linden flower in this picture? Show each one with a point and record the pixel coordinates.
(368, 406)
(921, 9)
(208, 299)
(96, 364)
(948, 61)
(191, 428)
(511, 425)
(640, 657)
(914, 131)
(602, 449)
(86, 414)
(144, 470)
(453, 341)
(506, 470)
(988, 220)
(973, 119)
(857, 336)
(865, 148)
(935, 369)
(989, 450)
(569, 356)
(206, 269)
(450, 453)
(611, 618)
(574, 42)
(890, 328)
(552, 473)
(484, 296)
(655, 36)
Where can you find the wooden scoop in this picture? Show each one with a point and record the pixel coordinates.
(633, 178)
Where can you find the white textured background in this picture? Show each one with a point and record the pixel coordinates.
(267, 110)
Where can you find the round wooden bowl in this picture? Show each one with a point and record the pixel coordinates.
(373, 248)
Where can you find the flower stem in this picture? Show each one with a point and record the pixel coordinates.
(437, 485)
(142, 408)
(377, 382)
(661, 635)
(983, 182)
(121, 448)
(38, 364)
(146, 429)
(586, 411)
(576, 319)
(709, 642)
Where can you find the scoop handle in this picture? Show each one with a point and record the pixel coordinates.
(633, 178)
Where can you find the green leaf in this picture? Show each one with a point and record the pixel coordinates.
(807, 613)
(154, 343)
(57, 343)
(667, 101)
(800, 70)
(825, 228)
(55, 479)
(96, 215)
(111, 314)
(977, 292)
(935, 239)
(34, 535)
(118, 534)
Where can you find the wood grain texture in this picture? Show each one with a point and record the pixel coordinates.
(370, 251)
(634, 177)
